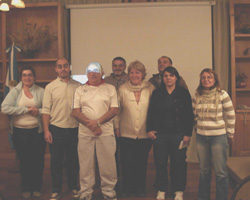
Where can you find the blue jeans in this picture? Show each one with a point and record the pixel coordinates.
(212, 149)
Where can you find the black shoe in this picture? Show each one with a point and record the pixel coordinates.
(141, 194)
(124, 195)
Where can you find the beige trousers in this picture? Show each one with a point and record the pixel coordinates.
(103, 149)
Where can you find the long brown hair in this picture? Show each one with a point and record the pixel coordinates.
(216, 83)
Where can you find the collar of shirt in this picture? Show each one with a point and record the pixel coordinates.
(63, 81)
(102, 81)
(124, 76)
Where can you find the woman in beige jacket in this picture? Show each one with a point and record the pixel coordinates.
(135, 145)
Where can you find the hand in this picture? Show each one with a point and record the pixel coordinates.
(230, 140)
(117, 132)
(97, 131)
(152, 135)
(186, 139)
(92, 125)
(33, 111)
(48, 137)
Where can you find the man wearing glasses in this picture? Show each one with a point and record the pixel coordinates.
(61, 129)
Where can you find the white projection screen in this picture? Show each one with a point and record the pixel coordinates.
(144, 32)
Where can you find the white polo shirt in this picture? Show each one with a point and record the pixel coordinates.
(94, 102)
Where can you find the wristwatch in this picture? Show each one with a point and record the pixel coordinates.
(98, 123)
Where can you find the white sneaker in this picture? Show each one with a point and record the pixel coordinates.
(55, 196)
(161, 195)
(178, 195)
(88, 197)
(75, 194)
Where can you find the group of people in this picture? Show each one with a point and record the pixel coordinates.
(120, 118)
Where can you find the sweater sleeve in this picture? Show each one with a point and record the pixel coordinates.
(39, 98)
(117, 117)
(151, 115)
(194, 112)
(47, 101)
(9, 105)
(230, 114)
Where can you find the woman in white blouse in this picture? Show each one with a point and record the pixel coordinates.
(24, 103)
(135, 145)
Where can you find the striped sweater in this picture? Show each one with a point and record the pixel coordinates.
(212, 121)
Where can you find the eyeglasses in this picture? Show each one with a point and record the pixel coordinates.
(63, 66)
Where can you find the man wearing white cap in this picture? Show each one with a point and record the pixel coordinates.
(95, 104)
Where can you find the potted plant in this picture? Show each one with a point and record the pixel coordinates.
(242, 22)
(241, 80)
(31, 37)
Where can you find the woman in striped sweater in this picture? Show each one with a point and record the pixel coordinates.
(214, 132)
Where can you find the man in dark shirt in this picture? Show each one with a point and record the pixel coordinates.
(164, 62)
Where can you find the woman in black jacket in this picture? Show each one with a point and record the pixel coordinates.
(170, 122)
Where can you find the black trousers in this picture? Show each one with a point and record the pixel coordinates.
(64, 148)
(165, 147)
(134, 161)
(30, 148)
(118, 186)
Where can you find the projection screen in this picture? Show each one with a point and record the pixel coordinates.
(144, 32)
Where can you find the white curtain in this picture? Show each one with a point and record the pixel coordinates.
(221, 36)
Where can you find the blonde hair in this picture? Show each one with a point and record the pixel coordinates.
(139, 66)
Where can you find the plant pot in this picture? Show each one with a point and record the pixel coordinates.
(241, 85)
